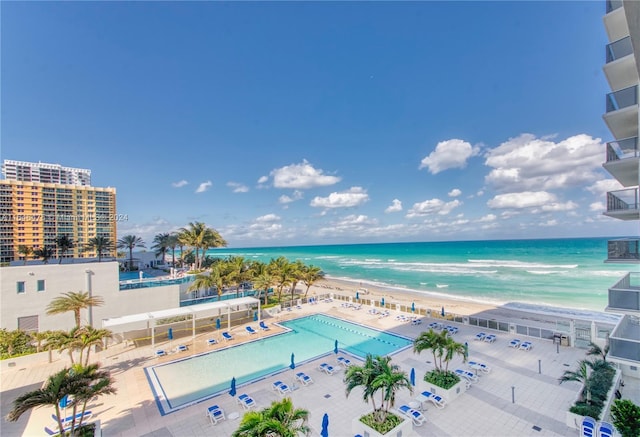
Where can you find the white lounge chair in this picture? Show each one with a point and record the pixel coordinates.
(181, 348)
(263, 326)
(479, 366)
(215, 414)
(526, 346)
(326, 368)
(416, 416)
(304, 378)
(480, 336)
(246, 401)
(427, 396)
(466, 375)
(212, 341)
(161, 353)
(281, 387)
(514, 343)
(227, 336)
(344, 362)
(250, 330)
(490, 338)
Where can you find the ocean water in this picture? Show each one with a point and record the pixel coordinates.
(527, 274)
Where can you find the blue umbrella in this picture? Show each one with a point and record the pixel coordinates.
(170, 334)
(412, 377)
(357, 296)
(413, 307)
(325, 426)
(382, 302)
(293, 364)
(217, 323)
(442, 312)
(466, 350)
(335, 347)
(255, 316)
(64, 401)
(232, 391)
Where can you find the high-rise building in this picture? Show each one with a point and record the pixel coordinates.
(34, 213)
(622, 70)
(45, 173)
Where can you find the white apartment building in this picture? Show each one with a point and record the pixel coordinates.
(45, 173)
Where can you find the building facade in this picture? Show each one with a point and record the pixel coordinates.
(622, 70)
(45, 173)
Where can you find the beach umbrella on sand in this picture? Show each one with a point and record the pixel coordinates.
(325, 426)
(232, 391)
(293, 363)
(413, 307)
(335, 347)
(412, 377)
(217, 323)
(442, 312)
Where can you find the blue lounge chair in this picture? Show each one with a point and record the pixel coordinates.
(215, 414)
(452, 329)
(490, 338)
(514, 343)
(212, 341)
(250, 330)
(304, 378)
(326, 368)
(479, 366)
(466, 375)
(227, 336)
(588, 427)
(66, 422)
(246, 401)
(526, 346)
(263, 326)
(181, 348)
(415, 415)
(605, 429)
(344, 362)
(160, 353)
(281, 387)
(436, 400)
(480, 336)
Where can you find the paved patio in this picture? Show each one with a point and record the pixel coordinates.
(486, 409)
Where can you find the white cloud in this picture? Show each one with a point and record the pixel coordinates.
(525, 199)
(284, 199)
(395, 206)
(601, 187)
(354, 196)
(488, 218)
(301, 176)
(433, 206)
(454, 193)
(555, 206)
(448, 154)
(598, 207)
(238, 187)
(263, 179)
(179, 184)
(526, 162)
(204, 186)
(267, 218)
(549, 223)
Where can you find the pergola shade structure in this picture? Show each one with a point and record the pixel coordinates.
(149, 320)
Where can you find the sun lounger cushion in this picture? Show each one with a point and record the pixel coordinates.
(480, 336)
(215, 414)
(304, 378)
(326, 368)
(416, 416)
(490, 338)
(605, 429)
(263, 326)
(281, 387)
(250, 330)
(588, 427)
(227, 336)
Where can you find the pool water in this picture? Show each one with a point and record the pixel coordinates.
(128, 276)
(191, 380)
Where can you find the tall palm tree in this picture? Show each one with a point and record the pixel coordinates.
(43, 252)
(87, 337)
(580, 375)
(100, 245)
(310, 275)
(451, 349)
(281, 270)
(430, 340)
(130, 242)
(95, 383)
(172, 243)
(362, 376)
(201, 238)
(594, 349)
(263, 283)
(280, 419)
(25, 251)
(238, 271)
(64, 244)
(73, 302)
(161, 244)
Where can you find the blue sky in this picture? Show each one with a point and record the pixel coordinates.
(318, 123)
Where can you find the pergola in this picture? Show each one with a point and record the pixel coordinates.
(149, 320)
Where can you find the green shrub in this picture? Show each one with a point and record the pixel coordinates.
(581, 408)
(626, 417)
(15, 343)
(444, 380)
(390, 422)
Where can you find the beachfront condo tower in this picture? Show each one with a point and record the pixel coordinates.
(622, 70)
(40, 202)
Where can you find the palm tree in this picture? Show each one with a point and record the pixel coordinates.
(100, 245)
(96, 383)
(200, 237)
(281, 270)
(73, 302)
(87, 337)
(130, 242)
(43, 252)
(238, 271)
(161, 245)
(64, 341)
(580, 375)
(278, 420)
(594, 349)
(172, 243)
(310, 275)
(64, 244)
(433, 341)
(25, 251)
(362, 376)
(263, 283)
(452, 348)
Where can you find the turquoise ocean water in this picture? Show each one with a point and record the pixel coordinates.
(568, 273)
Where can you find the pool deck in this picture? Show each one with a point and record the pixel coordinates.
(485, 409)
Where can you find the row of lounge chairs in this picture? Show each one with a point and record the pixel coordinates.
(416, 416)
(179, 348)
(427, 396)
(487, 338)
(216, 414)
(437, 325)
(521, 345)
(590, 428)
(67, 422)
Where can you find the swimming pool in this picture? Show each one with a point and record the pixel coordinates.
(182, 383)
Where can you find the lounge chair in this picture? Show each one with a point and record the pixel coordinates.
(181, 348)
(344, 362)
(605, 429)
(212, 341)
(160, 353)
(436, 400)
(466, 375)
(304, 378)
(215, 414)
(281, 387)
(415, 415)
(227, 336)
(416, 322)
(490, 338)
(326, 368)
(452, 329)
(250, 330)
(588, 427)
(480, 336)
(263, 326)
(435, 325)
(479, 366)
(66, 422)
(514, 343)
(526, 346)
(246, 401)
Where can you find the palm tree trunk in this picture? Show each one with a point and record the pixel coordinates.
(130, 257)
(76, 316)
(60, 426)
(307, 291)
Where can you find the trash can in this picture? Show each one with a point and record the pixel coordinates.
(557, 337)
(564, 340)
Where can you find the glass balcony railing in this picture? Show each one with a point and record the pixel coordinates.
(619, 49)
(622, 200)
(622, 99)
(625, 295)
(622, 149)
(624, 342)
(623, 250)
(612, 5)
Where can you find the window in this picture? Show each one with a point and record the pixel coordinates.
(20, 287)
(40, 286)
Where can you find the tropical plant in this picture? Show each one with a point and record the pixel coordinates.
(581, 375)
(626, 417)
(310, 275)
(100, 245)
(43, 252)
(161, 245)
(200, 238)
(172, 243)
(596, 377)
(73, 302)
(443, 349)
(25, 251)
(282, 272)
(262, 283)
(238, 271)
(64, 243)
(13, 343)
(130, 242)
(594, 349)
(280, 419)
(88, 337)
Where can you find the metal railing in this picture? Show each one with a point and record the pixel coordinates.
(622, 149)
(612, 5)
(622, 99)
(622, 200)
(619, 49)
(623, 250)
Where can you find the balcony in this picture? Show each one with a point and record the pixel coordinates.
(620, 68)
(624, 297)
(612, 5)
(623, 250)
(615, 21)
(622, 112)
(623, 161)
(623, 204)
(624, 341)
